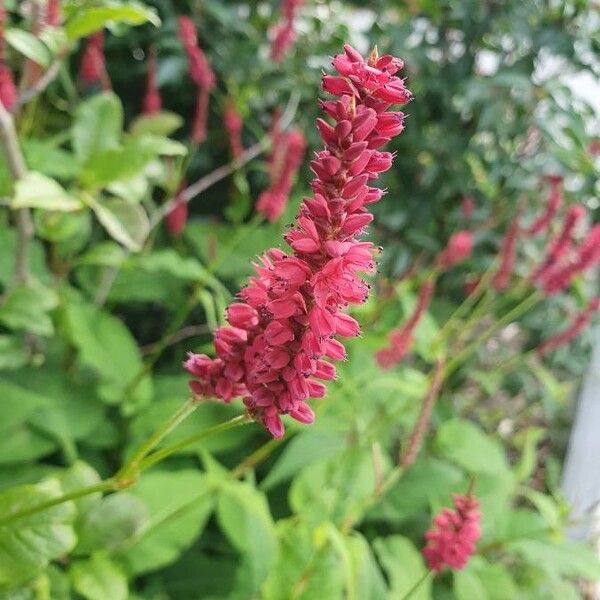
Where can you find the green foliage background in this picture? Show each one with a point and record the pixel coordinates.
(91, 347)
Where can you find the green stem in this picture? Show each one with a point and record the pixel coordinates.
(417, 585)
(163, 453)
(132, 467)
(510, 316)
(256, 457)
(101, 486)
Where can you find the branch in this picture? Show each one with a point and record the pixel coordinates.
(209, 180)
(40, 85)
(420, 429)
(18, 170)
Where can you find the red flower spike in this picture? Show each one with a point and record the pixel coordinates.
(460, 246)
(152, 102)
(233, 125)
(177, 217)
(508, 255)
(283, 33)
(451, 539)
(578, 323)
(401, 339)
(300, 298)
(552, 207)
(92, 68)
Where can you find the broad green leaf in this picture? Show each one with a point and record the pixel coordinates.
(97, 127)
(244, 516)
(567, 557)
(24, 444)
(468, 585)
(28, 45)
(28, 543)
(176, 518)
(26, 308)
(404, 567)
(162, 123)
(99, 578)
(305, 448)
(90, 19)
(106, 345)
(336, 488)
(308, 567)
(13, 353)
(38, 191)
(367, 582)
(80, 475)
(109, 522)
(126, 223)
(17, 404)
(467, 445)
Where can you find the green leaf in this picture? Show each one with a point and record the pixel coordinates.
(90, 19)
(17, 404)
(28, 45)
(567, 557)
(99, 578)
(367, 582)
(244, 517)
(308, 568)
(127, 223)
(109, 522)
(28, 543)
(467, 445)
(162, 123)
(79, 476)
(26, 308)
(304, 449)
(468, 585)
(38, 191)
(106, 345)
(404, 566)
(176, 518)
(13, 353)
(97, 127)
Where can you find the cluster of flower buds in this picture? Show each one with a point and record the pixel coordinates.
(284, 326)
(152, 102)
(8, 90)
(578, 323)
(233, 125)
(452, 538)
(200, 73)
(283, 34)
(401, 339)
(177, 217)
(284, 160)
(92, 69)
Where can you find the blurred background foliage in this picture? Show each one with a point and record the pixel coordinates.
(91, 345)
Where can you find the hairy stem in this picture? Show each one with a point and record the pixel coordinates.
(415, 588)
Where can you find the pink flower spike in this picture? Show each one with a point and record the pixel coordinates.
(552, 207)
(451, 539)
(460, 246)
(152, 102)
(286, 319)
(508, 255)
(177, 216)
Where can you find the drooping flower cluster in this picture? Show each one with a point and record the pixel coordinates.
(92, 68)
(233, 125)
(282, 330)
(553, 204)
(459, 247)
(152, 102)
(284, 161)
(452, 538)
(283, 34)
(8, 90)
(53, 16)
(402, 338)
(200, 73)
(578, 323)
